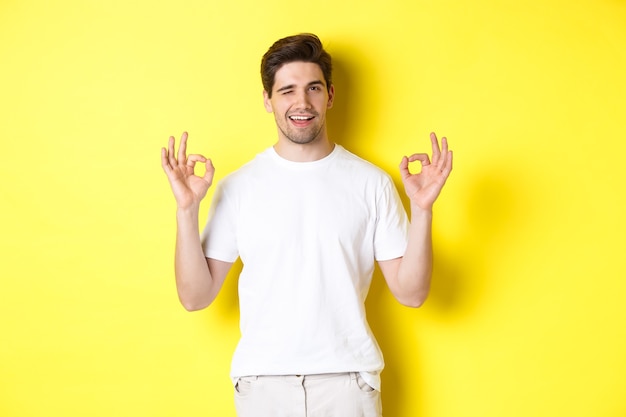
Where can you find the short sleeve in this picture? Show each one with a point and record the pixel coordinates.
(392, 225)
(219, 238)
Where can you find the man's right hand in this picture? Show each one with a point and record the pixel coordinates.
(189, 189)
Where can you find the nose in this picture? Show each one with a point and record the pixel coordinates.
(302, 100)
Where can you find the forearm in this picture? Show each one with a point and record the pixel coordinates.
(193, 278)
(415, 269)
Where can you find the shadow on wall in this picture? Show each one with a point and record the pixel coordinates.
(339, 120)
(226, 305)
(495, 215)
(492, 216)
(352, 85)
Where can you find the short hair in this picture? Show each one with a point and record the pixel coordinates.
(305, 47)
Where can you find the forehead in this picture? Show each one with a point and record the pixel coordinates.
(298, 73)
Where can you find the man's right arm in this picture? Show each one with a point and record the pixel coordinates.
(198, 279)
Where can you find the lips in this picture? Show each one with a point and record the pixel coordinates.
(301, 119)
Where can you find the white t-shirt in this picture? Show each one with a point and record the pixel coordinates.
(308, 234)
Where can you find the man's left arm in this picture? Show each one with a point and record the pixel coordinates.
(408, 277)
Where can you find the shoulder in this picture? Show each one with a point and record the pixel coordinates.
(351, 162)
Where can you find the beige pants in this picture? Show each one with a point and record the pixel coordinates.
(324, 395)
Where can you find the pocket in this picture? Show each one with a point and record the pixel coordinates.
(363, 386)
(243, 385)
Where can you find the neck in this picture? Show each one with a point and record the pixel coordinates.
(308, 152)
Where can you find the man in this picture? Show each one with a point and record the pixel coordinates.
(308, 220)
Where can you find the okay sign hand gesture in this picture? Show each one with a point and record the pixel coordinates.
(424, 187)
(189, 189)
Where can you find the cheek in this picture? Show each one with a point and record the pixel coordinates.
(279, 106)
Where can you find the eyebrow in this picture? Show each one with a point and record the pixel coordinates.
(292, 86)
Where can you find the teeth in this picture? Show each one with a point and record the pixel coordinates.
(300, 117)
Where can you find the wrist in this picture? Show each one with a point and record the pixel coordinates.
(190, 212)
(418, 212)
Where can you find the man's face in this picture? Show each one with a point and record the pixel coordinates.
(299, 102)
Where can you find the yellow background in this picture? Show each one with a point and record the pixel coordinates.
(527, 314)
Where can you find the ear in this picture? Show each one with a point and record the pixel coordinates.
(267, 102)
(331, 96)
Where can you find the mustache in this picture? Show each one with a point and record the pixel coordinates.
(309, 113)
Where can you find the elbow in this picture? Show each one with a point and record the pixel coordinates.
(194, 298)
(193, 307)
(193, 304)
(410, 288)
(414, 301)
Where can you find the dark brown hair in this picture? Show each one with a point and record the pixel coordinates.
(305, 47)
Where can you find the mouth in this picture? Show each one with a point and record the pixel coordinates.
(301, 120)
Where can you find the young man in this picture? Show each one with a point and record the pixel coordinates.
(308, 219)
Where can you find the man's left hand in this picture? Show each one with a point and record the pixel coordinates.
(424, 187)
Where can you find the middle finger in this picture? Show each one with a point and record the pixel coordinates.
(170, 151)
(435, 146)
(182, 149)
